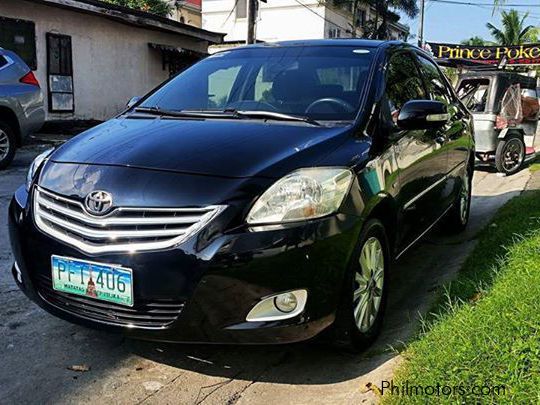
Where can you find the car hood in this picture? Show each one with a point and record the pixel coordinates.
(218, 147)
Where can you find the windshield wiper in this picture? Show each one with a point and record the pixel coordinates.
(274, 116)
(179, 114)
(228, 113)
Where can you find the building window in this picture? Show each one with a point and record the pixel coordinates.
(19, 36)
(241, 8)
(60, 73)
(334, 33)
(361, 21)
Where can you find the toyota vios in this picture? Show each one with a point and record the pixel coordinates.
(258, 197)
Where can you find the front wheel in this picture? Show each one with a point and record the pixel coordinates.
(360, 313)
(458, 216)
(7, 145)
(510, 154)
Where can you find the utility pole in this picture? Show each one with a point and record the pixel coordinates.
(421, 25)
(251, 17)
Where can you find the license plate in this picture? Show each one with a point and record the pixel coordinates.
(100, 281)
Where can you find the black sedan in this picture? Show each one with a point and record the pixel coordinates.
(260, 196)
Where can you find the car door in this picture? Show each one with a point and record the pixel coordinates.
(454, 136)
(421, 160)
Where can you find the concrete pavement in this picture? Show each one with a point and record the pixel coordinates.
(36, 349)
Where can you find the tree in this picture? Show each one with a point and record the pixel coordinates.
(384, 14)
(474, 41)
(513, 31)
(159, 7)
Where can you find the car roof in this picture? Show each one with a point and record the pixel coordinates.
(353, 42)
(529, 82)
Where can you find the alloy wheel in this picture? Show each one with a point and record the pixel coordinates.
(513, 155)
(369, 284)
(4, 145)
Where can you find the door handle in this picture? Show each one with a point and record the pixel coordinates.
(441, 140)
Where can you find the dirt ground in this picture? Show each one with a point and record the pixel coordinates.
(36, 348)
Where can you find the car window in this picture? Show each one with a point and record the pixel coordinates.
(435, 82)
(403, 83)
(321, 83)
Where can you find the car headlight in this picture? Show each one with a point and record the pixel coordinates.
(36, 164)
(301, 195)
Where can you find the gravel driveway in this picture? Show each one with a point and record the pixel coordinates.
(37, 349)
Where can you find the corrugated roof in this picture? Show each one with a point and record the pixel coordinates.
(134, 17)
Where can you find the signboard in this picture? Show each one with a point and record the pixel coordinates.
(515, 55)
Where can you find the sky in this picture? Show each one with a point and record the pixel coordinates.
(453, 23)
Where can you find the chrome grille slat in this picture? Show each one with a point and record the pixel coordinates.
(111, 234)
(80, 216)
(124, 229)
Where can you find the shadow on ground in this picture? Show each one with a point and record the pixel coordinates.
(39, 348)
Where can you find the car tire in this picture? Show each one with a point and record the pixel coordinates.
(457, 218)
(7, 145)
(510, 154)
(364, 294)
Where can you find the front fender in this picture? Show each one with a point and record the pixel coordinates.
(507, 131)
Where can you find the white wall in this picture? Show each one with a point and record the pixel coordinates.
(111, 61)
(278, 20)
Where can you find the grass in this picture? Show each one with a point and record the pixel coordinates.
(485, 329)
(535, 165)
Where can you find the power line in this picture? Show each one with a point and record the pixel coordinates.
(230, 14)
(489, 6)
(320, 16)
(466, 3)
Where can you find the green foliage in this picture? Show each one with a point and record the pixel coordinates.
(486, 328)
(386, 12)
(513, 31)
(159, 7)
(474, 41)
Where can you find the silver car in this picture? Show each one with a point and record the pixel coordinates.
(21, 104)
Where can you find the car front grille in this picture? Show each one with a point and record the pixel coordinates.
(124, 229)
(145, 314)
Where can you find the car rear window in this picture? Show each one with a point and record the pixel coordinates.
(3, 61)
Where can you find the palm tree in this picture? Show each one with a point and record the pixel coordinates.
(385, 12)
(513, 31)
(474, 41)
(383, 9)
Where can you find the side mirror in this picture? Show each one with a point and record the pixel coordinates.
(422, 114)
(132, 101)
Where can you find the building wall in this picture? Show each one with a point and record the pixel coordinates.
(188, 13)
(338, 23)
(278, 20)
(111, 61)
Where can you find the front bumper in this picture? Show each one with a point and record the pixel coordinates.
(212, 287)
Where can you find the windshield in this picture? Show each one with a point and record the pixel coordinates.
(318, 83)
(474, 93)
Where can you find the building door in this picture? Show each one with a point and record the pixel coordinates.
(60, 73)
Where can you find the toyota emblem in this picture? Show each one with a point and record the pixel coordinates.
(98, 202)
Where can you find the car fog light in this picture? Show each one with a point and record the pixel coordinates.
(286, 302)
(277, 307)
